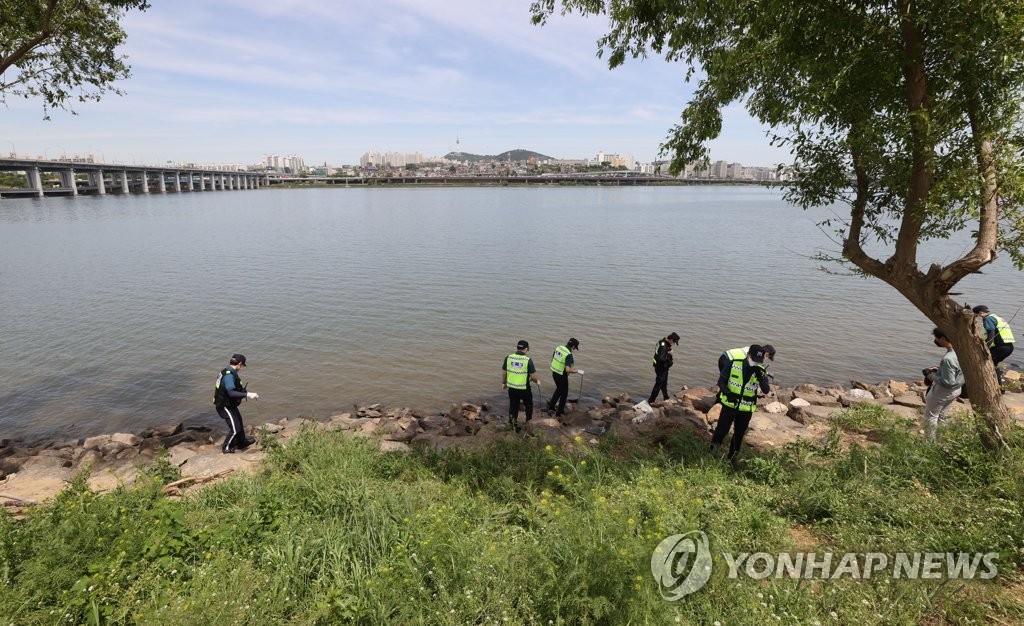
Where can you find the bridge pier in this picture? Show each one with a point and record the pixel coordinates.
(67, 180)
(191, 185)
(96, 178)
(177, 182)
(124, 183)
(202, 181)
(163, 182)
(35, 181)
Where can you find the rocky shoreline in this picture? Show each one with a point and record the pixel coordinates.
(32, 472)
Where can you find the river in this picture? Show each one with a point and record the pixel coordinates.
(118, 312)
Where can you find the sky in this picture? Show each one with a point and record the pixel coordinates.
(228, 81)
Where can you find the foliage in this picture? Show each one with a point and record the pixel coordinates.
(335, 531)
(62, 50)
(907, 112)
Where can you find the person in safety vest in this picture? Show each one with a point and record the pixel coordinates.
(739, 382)
(662, 362)
(998, 337)
(516, 373)
(738, 353)
(561, 366)
(228, 393)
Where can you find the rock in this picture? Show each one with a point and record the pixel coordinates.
(819, 399)
(179, 455)
(345, 421)
(111, 448)
(127, 454)
(898, 388)
(908, 399)
(857, 385)
(805, 388)
(271, 427)
(797, 403)
(126, 438)
(94, 443)
(813, 414)
(713, 414)
(433, 422)
(856, 396)
(394, 446)
(775, 408)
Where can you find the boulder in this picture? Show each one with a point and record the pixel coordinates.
(95, 443)
(775, 408)
(909, 399)
(394, 446)
(126, 438)
(813, 414)
(898, 388)
(820, 399)
(797, 403)
(712, 415)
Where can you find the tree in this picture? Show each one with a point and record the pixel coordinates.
(908, 112)
(62, 50)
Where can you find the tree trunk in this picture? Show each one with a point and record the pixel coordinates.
(979, 372)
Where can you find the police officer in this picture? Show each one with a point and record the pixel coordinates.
(561, 366)
(739, 382)
(228, 393)
(662, 362)
(739, 353)
(516, 373)
(998, 337)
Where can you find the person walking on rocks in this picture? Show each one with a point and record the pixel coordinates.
(998, 337)
(516, 373)
(740, 353)
(227, 395)
(561, 366)
(947, 381)
(662, 362)
(739, 382)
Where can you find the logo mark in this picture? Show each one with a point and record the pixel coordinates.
(681, 564)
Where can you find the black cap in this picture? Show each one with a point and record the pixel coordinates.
(675, 338)
(238, 359)
(522, 345)
(573, 343)
(756, 353)
(769, 351)
(981, 308)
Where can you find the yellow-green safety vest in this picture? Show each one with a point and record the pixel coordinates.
(737, 353)
(737, 395)
(558, 359)
(517, 371)
(1002, 331)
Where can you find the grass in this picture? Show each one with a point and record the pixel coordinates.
(332, 531)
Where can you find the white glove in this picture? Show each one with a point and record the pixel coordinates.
(580, 372)
(252, 396)
(538, 382)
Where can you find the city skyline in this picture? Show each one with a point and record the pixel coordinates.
(227, 82)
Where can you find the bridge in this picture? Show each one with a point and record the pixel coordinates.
(67, 177)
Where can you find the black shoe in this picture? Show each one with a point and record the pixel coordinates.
(232, 451)
(245, 444)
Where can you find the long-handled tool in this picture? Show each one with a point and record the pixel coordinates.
(540, 393)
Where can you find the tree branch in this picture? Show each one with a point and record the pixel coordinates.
(44, 33)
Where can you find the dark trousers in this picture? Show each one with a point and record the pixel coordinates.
(660, 383)
(235, 439)
(515, 396)
(561, 393)
(729, 417)
(999, 354)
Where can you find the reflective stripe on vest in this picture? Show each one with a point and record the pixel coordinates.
(1003, 331)
(558, 359)
(737, 395)
(657, 349)
(517, 371)
(737, 353)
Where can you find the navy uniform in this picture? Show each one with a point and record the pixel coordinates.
(662, 362)
(228, 393)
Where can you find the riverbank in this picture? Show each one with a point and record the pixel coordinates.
(32, 472)
(500, 528)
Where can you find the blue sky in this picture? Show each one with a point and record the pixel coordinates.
(227, 81)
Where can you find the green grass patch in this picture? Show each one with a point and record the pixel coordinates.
(333, 531)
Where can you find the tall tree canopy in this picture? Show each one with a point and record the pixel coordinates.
(62, 50)
(908, 112)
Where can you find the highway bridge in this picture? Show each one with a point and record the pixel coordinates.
(65, 177)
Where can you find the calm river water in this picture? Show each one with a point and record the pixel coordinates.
(117, 312)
